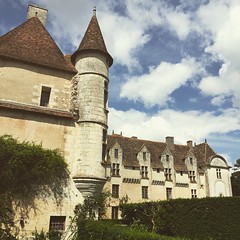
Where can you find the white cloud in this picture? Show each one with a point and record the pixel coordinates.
(155, 87)
(221, 18)
(184, 126)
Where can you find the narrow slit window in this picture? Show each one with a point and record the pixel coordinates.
(45, 96)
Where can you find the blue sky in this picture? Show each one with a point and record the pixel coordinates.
(176, 68)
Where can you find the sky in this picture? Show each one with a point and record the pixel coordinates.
(176, 69)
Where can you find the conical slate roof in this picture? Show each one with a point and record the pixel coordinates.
(93, 40)
(30, 42)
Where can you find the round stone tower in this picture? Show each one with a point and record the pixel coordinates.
(90, 94)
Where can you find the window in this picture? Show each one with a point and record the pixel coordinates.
(218, 171)
(105, 94)
(144, 171)
(167, 158)
(57, 223)
(168, 174)
(115, 190)
(144, 156)
(114, 212)
(116, 153)
(194, 193)
(45, 96)
(144, 192)
(192, 176)
(158, 170)
(191, 160)
(169, 193)
(104, 148)
(115, 169)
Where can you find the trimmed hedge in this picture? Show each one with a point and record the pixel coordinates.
(105, 230)
(207, 218)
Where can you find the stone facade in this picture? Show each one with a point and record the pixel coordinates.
(62, 102)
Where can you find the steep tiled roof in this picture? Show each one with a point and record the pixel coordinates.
(93, 40)
(30, 42)
(203, 152)
(132, 146)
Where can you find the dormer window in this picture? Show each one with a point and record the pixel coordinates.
(192, 176)
(144, 172)
(144, 156)
(45, 96)
(191, 160)
(116, 153)
(167, 158)
(168, 174)
(115, 169)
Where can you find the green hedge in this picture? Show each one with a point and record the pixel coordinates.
(207, 218)
(104, 230)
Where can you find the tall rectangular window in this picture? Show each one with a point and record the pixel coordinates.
(194, 193)
(115, 169)
(115, 190)
(144, 171)
(192, 176)
(144, 192)
(144, 156)
(45, 96)
(57, 223)
(169, 193)
(116, 153)
(218, 171)
(114, 212)
(168, 174)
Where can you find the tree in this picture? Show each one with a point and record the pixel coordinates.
(235, 179)
(27, 172)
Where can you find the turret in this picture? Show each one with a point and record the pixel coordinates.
(90, 104)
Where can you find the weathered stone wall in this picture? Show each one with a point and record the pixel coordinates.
(23, 83)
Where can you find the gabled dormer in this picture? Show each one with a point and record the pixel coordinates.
(144, 157)
(167, 160)
(191, 163)
(116, 154)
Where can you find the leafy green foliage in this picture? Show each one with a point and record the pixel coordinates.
(91, 204)
(28, 172)
(207, 218)
(52, 235)
(105, 230)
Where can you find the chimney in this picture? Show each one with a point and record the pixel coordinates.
(170, 142)
(190, 143)
(35, 11)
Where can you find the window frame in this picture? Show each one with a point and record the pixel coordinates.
(57, 223)
(144, 192)
(115, 190)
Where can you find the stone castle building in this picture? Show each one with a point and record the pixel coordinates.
(61, 101)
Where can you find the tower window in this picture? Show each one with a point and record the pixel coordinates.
(144, 156)
(168, 174)
(45, 96)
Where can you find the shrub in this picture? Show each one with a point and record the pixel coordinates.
(207, 218)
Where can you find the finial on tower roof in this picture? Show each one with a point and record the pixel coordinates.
(94, 11)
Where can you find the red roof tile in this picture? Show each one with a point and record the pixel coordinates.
(132, 146)
(93, 40)
(30, 42)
